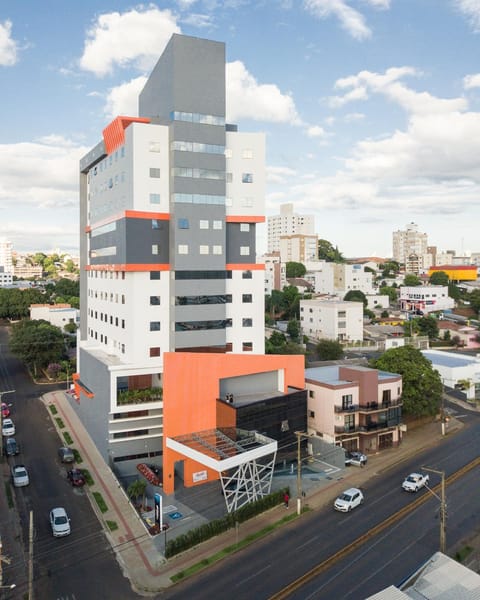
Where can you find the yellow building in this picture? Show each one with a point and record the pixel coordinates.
(456, 272)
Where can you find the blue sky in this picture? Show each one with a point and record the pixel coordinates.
(371, 108)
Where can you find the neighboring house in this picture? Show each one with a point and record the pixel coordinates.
(332, 319)
(456, 369)
(340, 278)
(357, 408)
(6, 278)
(377, 301)
(303, 286)
(466, 334)
(56, 314)
(428, 298)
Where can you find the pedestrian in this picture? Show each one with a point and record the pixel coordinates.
(286, 499)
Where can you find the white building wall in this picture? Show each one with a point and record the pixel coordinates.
(425, 298)
(332, 320)
(287, 223)
(59, 317)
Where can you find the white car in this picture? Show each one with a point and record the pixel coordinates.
(8, 427)
(20, 476)
(59, 522)
(349, 499)
(415, 481)
(356, 458)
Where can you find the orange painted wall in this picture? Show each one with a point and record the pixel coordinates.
(191, 387)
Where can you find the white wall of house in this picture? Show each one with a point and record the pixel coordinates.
(427, 298)
(330, 319)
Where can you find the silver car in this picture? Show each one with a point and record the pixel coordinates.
(59, 522)
(20, 476)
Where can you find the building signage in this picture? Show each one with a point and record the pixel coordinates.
(200, 476)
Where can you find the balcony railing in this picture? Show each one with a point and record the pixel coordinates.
(367, 428)
(347, 409)
(369, 406)
(346, 429)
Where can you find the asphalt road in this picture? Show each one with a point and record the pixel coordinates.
(267, 567)
(83, 564)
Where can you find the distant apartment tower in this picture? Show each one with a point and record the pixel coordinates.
(299, 247)
(287, 223)
(169, 203)
(410, 248)
(275, 272)
(6, 255)
(340, 278)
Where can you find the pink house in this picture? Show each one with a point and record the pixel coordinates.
(355, 407)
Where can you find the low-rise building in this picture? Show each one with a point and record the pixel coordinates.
(56, 314)
(425, 299)
(357, 408)
(332, 319)
(457, 370)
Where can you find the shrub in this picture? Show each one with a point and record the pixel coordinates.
(88, 477)
(60, 423)
(53, 409)
(68, 438)
(100, 502)
(78, 458)
(112, 525)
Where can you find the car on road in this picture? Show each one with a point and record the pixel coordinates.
(355, 458)
(11, 447)
(350, 499)
(5, 410)
(20, 476)
(76, 477)
(8, 427)
(415, 481)
(59, 522)
(66, 455)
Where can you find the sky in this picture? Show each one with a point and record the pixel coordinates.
(370, 108)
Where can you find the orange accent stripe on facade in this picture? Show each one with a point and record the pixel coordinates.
(79, 387)
(141, 214)
(114, 133)
(130, 267)
(245, 267)
(245, 219)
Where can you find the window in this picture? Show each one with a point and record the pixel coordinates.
(247, 153)
(246, 177)
(247, 322)
(218, 225)
(347, 401)
(154, 300)
(154, 198)
(229, 177)
(246, 275)
(155, 249)
(246, 298)
(228, 153)
(183, 223)
(244, 226)
(154, 147)
(154, 274)
(246, 202)
(154, 325)
(247, 346)
(217, 250)
(203, 249)
(386, 397)
(349, 422)
(311, 414)
(183, 248)
(154, 352)
(155, 224)
(311, 394)
(154, 172)
(203, 224)
(244, 250)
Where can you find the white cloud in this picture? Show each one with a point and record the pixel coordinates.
(280, 174)
(315, 131)
(359, 93)
(8, 46)
(350, 19)
(198, 20)
(379, 3)
(123, 99)
(352, 117)
(471, 9)
(471, 81)
(247, 99)
(137, 37)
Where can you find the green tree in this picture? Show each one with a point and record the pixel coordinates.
(439, 278)
(411, 280)
(326, 251)
(37, 343)
(422, 386)
(453, 291)
(474, 299)
(391, 292)
(15, 303)
(390, 269)
(385, 314)
(293, 330)
(356, 296)
(295, 269)
(291, 302)
(428, 326)
(329, 350)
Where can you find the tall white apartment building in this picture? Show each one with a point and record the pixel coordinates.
(410, 248)
(299, 247)
(287, 223)
(6, 255)
(169, 204)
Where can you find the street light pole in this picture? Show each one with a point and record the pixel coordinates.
(443, 508)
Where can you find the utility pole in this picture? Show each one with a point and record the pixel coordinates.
(443, 508)
(299, 474)
(1, 424)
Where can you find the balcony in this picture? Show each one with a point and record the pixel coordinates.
(128, 397)
(369, 427)
(347, 409)
(372, 406)
(347, 429)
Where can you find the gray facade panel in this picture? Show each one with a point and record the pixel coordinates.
(189, 185)
(196, 339)
(198, 287)
(196, 132)
(237, 239)
(211, 312)
(200, 160)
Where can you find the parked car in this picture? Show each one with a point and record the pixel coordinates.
(11, 447)
(356, 458)
(59, 522)
(5, 410)
(8, 427)
(20, 476)
(350, 499)
(66, 455)
(415, 481)
(76, 477)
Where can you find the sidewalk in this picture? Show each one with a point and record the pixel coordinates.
(136, 551)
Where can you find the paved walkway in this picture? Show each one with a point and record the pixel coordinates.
(138, 553)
